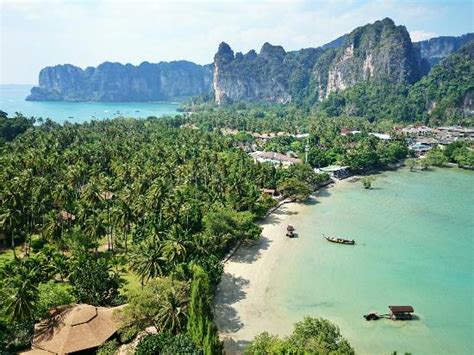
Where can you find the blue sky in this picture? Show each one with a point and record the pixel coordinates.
(35, 34)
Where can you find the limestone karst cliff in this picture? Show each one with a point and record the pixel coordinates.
(118, 82)
(375, 51)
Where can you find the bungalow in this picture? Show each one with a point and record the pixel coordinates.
(335, 171)
(274, 158)
(420, 149)
(74, 328)
(382, 136)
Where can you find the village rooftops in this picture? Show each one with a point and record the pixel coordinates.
(417, 130)
(274, 158)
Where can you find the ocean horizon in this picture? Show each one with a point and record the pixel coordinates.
(12, 99)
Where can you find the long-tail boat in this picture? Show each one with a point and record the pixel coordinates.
(340, 240)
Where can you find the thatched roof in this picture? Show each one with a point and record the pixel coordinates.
(66, 216)
(74, 328)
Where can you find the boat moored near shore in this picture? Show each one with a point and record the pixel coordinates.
(339, 240)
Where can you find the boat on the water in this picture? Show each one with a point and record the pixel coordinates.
(340, 240)
(396, 313)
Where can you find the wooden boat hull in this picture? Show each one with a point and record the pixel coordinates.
(340, 241)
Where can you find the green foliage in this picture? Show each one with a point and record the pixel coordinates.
(294, 189)
(266, 343)
(319, 336)
(436, 157)
(461, 153)
(367, 181)
(440, 95)
(52, 294)
(108, 348)
(167, 344)
(411, 164)
(15, 336)
(226, 226)
(310, 336)
(200, 325)
(14, 126)
(93, 281)
(153, 344)
(162, 303)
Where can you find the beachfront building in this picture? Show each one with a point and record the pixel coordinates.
(347, 131)
(74, 328)
(454, 133)
(420, 149)
(382, 136)
(274, 158)
(335, 171)
(417, 131)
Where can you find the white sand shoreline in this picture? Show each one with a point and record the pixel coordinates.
(241, 309)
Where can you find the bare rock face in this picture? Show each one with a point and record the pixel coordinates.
(376, 51)
(435, 49)
(118, 82)
(273, 75)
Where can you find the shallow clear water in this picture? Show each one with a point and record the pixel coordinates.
(414, 234)
(12, 99)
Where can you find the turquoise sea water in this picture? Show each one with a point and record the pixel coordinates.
(12, 99)
(414, 234)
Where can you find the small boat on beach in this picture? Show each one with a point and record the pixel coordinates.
(290, 231)
(340, 240)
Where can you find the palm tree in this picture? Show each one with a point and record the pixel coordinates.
(173, 311)
(146, 261)
(19, 290)
(174, 246)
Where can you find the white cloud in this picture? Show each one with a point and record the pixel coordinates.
(37, 33)
(417, 36)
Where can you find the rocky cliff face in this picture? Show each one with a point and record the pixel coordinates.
(435, 49)
(272, 75)
(377, 51)
(117, 82)
(380, 50)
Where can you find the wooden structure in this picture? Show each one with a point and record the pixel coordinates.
(74, 328)
(401, 312)
(339, 240)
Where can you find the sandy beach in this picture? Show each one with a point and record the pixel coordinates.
(242, 309)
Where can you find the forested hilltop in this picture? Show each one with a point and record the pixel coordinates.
(445, 95)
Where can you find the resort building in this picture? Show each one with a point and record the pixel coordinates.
(382, 136)
(274, 158)
(335, 171)
(420, 149)
(74, 328)
(416, 131)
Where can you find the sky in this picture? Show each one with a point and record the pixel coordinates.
(39, 33)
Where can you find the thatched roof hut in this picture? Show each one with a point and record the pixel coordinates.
(74, 328)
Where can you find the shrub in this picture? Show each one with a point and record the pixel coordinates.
(108, 348)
